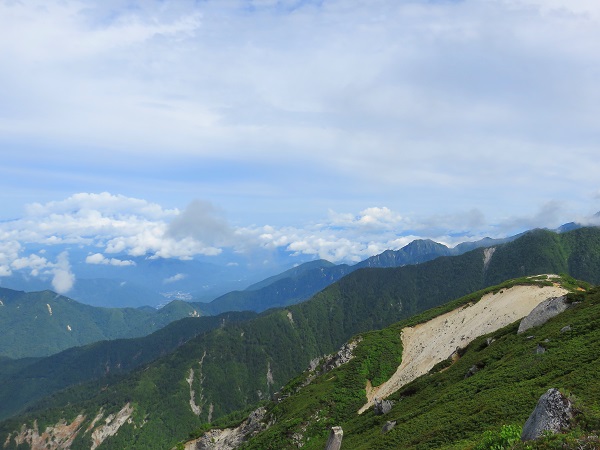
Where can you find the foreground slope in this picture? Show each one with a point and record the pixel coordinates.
(494, 380)
(241, 364)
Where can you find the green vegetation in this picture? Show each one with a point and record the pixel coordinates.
(444, 409)
(504, 439)
(239, 365)
(24, 381)
(44, 323)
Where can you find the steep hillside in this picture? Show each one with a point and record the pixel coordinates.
(43, 323)
(460, 400)
(24, 381)
(241, 364)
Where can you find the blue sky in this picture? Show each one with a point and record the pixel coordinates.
(333, 128)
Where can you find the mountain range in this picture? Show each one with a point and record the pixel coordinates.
(304, 281)
(240, 364)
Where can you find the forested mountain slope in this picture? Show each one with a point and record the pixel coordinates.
(26, 380)
(241, 364)
(43, 323)
(302, 282)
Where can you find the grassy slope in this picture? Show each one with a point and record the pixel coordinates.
(443, 409)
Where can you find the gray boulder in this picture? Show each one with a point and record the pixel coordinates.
(335, 439)
(552, 414)
(539, 350)
(382, 407)
(543, 312)
(390, 424)
(472, 371)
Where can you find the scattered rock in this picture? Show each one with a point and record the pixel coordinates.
(390, 424)
(565, 329)
(540, 350)
(335, 439)
(543, 312)
(472, 371)
(530, 337)
(489, 341)
(551, 414)
(382, 407)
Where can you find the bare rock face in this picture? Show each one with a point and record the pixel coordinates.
(335, 439)
(543, 312)
(230, 438)
(382, 407)
(341, 357)
(552, 413)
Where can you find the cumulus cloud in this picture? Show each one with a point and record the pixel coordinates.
(99, 258)
(63, 279)
(9, 252)
(123, 226)
(33, 262)
(374, 217)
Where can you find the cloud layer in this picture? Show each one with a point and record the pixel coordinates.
(287, 108)
(114, 228)
(326, 128)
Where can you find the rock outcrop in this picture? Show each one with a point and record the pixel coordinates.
(552, 414)
(335, 439)
(543, 312)
(344, 354)
(111, 425)
(230, 438)
(54, 437)
(382, 407)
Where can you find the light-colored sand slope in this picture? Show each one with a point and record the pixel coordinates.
(428, 343)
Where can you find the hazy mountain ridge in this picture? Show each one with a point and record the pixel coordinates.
(301, 283)
(238, 365)
(42, 323)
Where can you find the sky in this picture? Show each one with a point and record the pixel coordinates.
(326, 128)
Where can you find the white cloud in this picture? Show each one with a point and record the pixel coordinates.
(63, 279)
(439, 99)
(174, 278)
(99, 258)
(34, 262)
(374, 217)
(9, 252)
